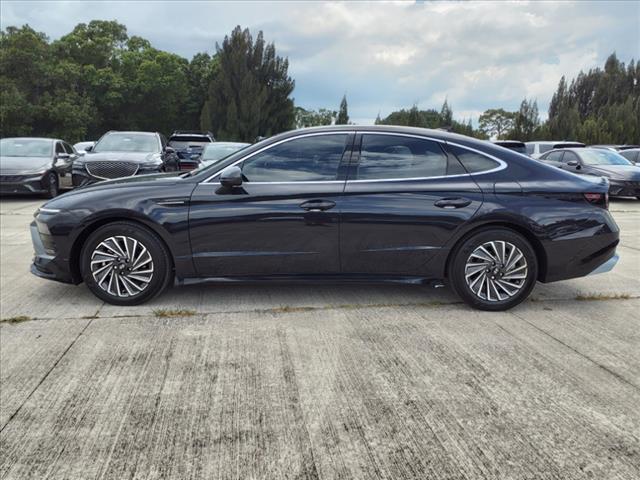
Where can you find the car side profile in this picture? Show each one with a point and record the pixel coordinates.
(623, 176)
(35, 165)
(124, 154)
(536, 149)
(339, 203)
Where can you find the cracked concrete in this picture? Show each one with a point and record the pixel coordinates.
(298, 382)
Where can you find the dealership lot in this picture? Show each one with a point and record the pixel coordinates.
(318, 381)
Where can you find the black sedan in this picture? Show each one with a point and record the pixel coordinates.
(623, 176)
(124, 154)
(336, 204)
(35, 165)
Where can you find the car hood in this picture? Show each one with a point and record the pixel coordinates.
(623, 172)
(138, 157)
(23, 164)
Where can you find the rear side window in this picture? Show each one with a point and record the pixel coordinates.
(632, 156)
(313, 158)
(60, 148)
(473, 162)
(390, 157)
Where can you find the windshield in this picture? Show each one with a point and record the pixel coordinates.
(128, 142)
(603, 157)
(25, 147)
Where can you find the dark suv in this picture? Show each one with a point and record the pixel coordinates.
(188, 146)
(124, 154)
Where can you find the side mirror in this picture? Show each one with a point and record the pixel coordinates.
(89, 148)
(231, 177)
(62, 156)
(574, 163)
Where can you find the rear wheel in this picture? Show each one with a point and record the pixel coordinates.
(125, 264)
(495, 269)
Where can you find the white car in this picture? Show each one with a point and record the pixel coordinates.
(535, 149)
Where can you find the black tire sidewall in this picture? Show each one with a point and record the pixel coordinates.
(159, 255)
(457, 268)
(49, 193)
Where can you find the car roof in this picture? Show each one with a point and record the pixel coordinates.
(34, 138)
(222, 144)
(130, 132)
(554, 142)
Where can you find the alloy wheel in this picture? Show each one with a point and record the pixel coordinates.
(122, 266)
(496, 271)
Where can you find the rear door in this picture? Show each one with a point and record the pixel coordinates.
(404, 198)
(283, 219)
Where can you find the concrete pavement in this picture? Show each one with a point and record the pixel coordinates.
(269, 382)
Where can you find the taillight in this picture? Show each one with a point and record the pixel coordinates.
(600, 199)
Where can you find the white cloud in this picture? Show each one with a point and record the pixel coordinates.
(386, 55)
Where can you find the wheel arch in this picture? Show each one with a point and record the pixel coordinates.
(89, 228)
(535, 243)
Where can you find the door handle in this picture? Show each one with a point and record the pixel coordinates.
(457, 202)
(317, 205)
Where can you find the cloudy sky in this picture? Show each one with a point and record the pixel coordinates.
(384, 56)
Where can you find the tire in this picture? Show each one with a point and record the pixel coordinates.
(51, 185)
(505, 284)
(139, 275)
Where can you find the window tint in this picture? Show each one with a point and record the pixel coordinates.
(530, 147)
(68, 148)
(570, 157)
(630, 155)
(554, 156)
(314, 158)
(473, 162)
(390, 156)
(545, 147)
(60, 148)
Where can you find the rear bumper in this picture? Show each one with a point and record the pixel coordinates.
(624, 189)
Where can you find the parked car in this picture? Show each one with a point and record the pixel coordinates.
(339, 203)
(617, 148)
(535, 149)
(515, 145)
(35, 165)
(632, 154)
(214, 152)
(81, 147)
(188, 146)
(624, 176)
(124, 154)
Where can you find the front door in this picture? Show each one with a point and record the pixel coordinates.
(404, 199)
(283, 220)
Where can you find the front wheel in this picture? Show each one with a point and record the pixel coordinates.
(124, 263)
(51, 186)
(495, 269)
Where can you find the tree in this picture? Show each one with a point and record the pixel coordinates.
(313, 118)
(343, 114)
(495, 122)
(526, 121)
(249, 94)
(446, 115)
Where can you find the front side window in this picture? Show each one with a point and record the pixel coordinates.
(312, 158)
(393, 156)
(60, 148)
(570, 157)
(554, 156)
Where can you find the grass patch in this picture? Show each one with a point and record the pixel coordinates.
(168, 313)
(16, 319)
(602, 296)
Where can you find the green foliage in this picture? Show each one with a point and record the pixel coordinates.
(496, 122)
(601, 106)
(95, 79)
(343, 114)
(313, 118)
(249, 94)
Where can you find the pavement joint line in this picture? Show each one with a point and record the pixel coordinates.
(303, 309)
(55, 364)
(575, 350)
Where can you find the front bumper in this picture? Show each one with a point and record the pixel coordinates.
(10, 184)
(619, 188)
(45, 264)
(607, 266)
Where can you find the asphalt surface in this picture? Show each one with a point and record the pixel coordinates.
(397, 382)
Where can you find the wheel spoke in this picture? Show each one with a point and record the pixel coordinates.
(496, 270)
(122, 266)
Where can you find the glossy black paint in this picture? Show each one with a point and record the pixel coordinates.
(375, 231)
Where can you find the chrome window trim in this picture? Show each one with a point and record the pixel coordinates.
(284, 140)
(501, 163)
